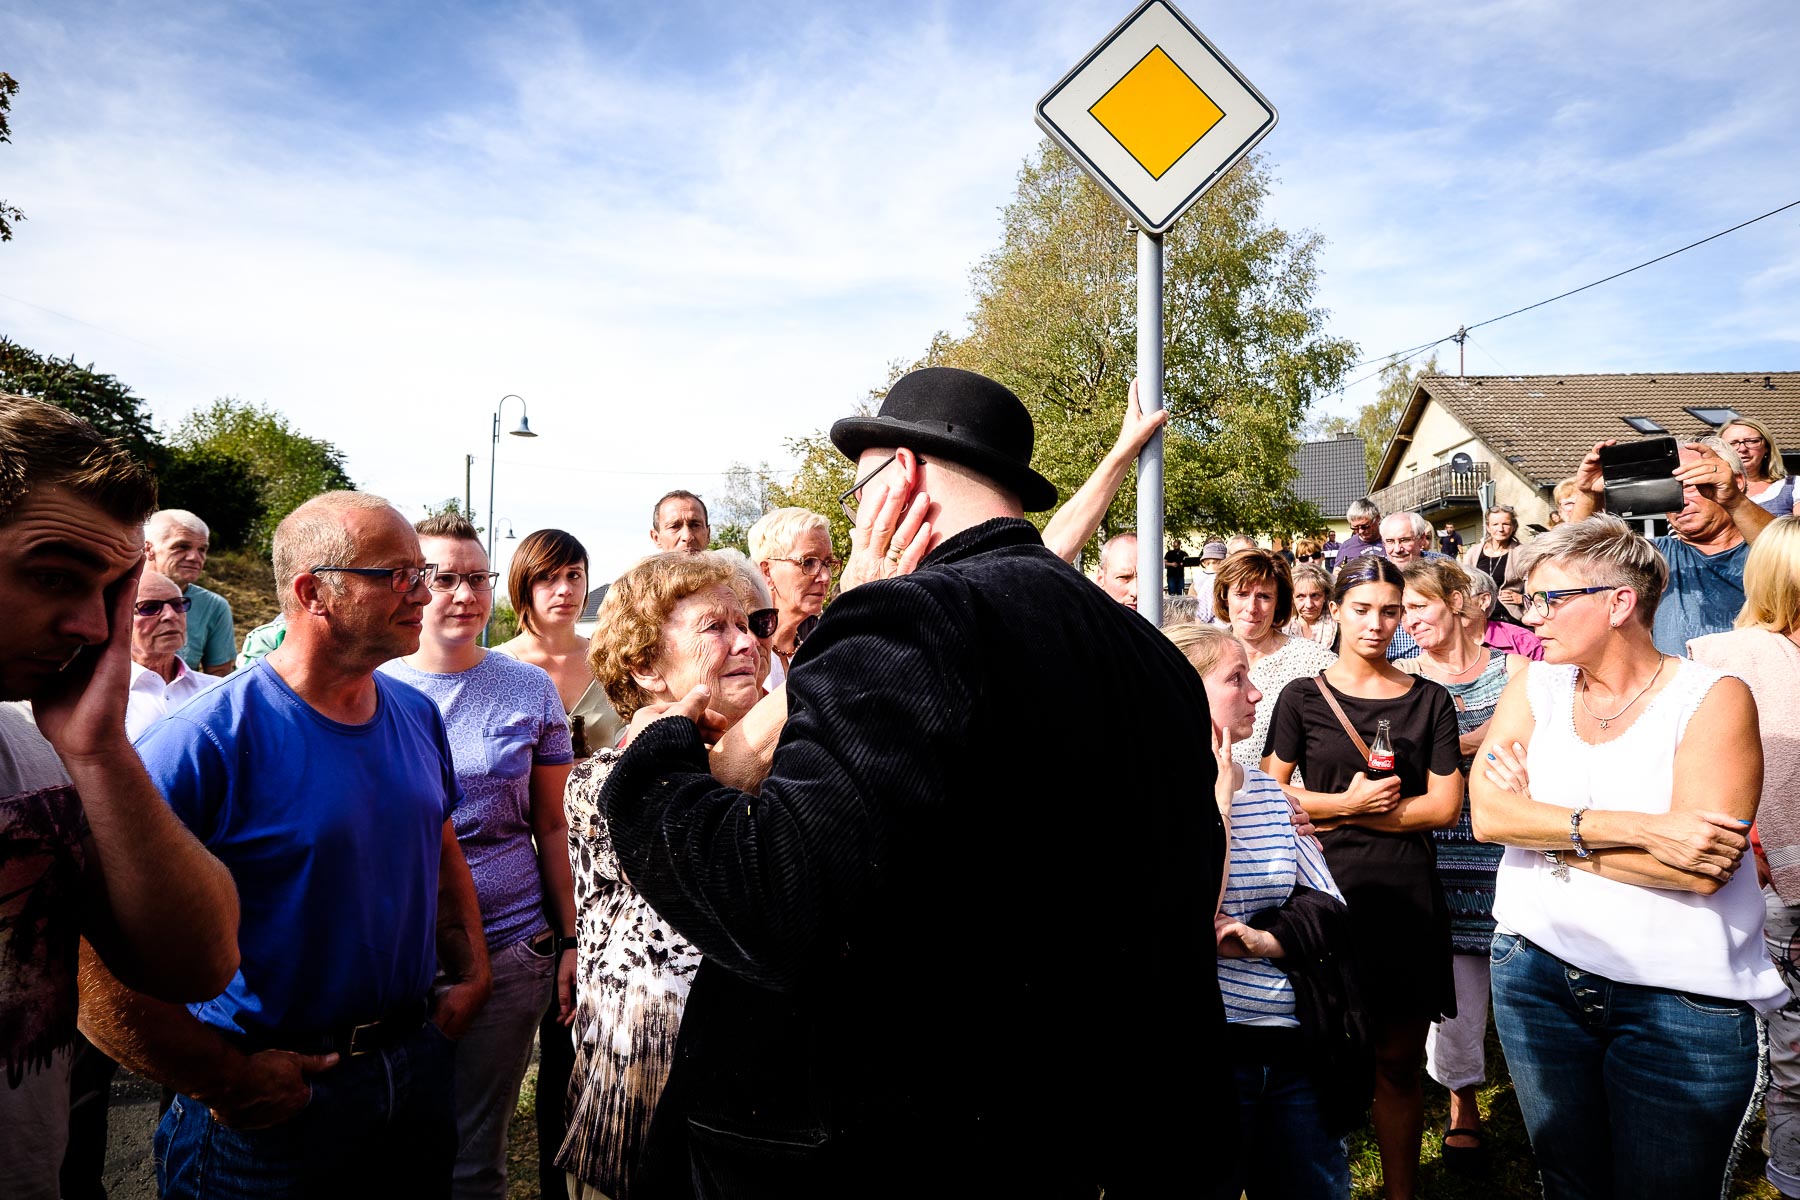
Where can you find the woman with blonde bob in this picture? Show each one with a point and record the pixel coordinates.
(1288, 1143)
(792, 548)
(1627, 961)
(1438, 599)
(1766, 477)
(673, 621)
(1764, 651)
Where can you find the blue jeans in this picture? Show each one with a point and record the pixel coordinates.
(1627, 1090)
(378, 1124)
(1282, 1151)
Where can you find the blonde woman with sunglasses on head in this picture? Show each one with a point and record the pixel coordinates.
(792, 549)
(1628, 965)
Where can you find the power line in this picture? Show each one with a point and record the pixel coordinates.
(1400, 356)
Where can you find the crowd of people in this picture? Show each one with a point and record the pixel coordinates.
(935, 869)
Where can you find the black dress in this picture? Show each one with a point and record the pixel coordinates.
(1398, 915)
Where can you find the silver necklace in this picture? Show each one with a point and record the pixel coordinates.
(1607, 721)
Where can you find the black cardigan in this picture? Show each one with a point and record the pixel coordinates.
(961, 943)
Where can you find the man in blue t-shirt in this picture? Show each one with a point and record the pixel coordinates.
(327, 790)
(1712, 537)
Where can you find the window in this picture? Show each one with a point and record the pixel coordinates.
(1714, 416)
(1643, 424)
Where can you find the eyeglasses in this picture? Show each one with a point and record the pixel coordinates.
(401, 579)
(449, 581)
(1740, 443)
(812, 564)
(151, 608)
(853, 493)
(762, 622)
(1541, 603)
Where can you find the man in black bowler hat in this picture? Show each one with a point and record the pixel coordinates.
(951, 947)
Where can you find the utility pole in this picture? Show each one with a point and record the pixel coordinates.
(1459, 337)
(469, 486)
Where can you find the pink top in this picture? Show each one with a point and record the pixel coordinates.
(1514, 639)
(1770, 664)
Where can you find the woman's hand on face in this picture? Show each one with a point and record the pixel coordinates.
(1238, 940)
(1225, 780)
(1366, 797)
(886, 541)
(1712, 844)
(1505, 769)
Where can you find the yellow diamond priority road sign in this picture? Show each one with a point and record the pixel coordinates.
(1156, 114)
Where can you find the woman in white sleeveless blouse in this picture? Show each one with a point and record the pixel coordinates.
(1628, 965)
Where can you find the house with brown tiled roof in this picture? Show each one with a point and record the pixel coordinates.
(1523, 434)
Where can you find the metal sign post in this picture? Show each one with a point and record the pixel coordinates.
(1156, 115)
(1150, 398)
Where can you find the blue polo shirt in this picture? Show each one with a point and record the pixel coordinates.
(1704, 594)
(332, 833)
(211, 640)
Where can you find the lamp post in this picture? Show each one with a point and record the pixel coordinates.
(523, 430)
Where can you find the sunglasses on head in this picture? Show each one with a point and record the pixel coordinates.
(150, 608)
(762, 622)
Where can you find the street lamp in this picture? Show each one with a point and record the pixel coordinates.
(523, 430)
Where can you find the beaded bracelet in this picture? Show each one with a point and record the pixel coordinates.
(1581, 850)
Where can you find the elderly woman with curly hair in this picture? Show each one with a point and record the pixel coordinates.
(673, 621)
(792, 549)
(1628, 963)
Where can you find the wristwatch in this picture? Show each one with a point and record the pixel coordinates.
(566, 943)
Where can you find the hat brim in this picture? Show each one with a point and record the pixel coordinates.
(853, 435)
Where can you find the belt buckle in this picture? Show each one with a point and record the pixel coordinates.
(362, 1039)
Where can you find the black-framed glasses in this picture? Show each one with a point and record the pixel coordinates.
(812, 564)
(853, 493)
(449, 581)
(401, 579)
(151, 608)
(763, 621)
(1542, 603)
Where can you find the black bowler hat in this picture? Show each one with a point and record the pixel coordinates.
(959, 416)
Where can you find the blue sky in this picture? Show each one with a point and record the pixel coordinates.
(684, 232)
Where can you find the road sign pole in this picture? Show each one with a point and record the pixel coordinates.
(1150, 398)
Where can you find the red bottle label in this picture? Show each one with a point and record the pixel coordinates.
(1380, 762)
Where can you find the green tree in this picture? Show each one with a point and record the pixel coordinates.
(743, 498)
(220, 486)
(1378, 421)
(1245, 351)
(9, 87)
(288, 467)
(101, 400)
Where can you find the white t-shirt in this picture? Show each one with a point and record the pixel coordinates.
(1654, 937)
(42, 828)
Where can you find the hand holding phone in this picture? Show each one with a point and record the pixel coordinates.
(1640, 478)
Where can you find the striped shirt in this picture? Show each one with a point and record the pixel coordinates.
(1267, 860)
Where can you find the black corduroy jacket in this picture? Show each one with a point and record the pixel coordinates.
(961, 943)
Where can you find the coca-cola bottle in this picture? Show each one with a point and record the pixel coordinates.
(1381, 752)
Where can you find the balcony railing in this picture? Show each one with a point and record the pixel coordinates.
(1439, 487)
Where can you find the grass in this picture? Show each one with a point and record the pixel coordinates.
(1511, 1172)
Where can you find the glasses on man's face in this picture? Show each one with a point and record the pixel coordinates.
(762, 622)
(152, 608)
(1543, 603)
(1362, 529)
(853, 493)
(812, 564)
(449, 581)
(401, 579)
